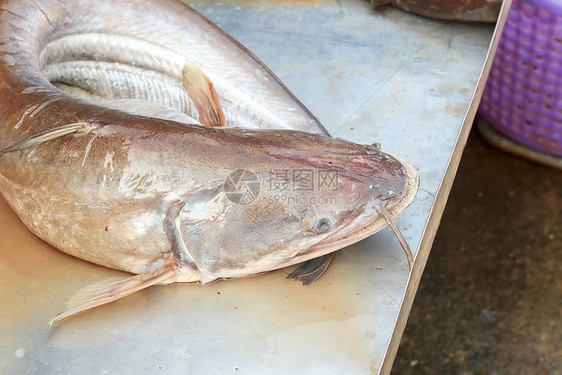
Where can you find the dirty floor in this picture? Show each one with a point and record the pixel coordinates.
(490, 300)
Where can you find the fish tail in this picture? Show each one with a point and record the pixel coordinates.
(98, 295)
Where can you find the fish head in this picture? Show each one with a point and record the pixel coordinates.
(312, 196)
(373, 187)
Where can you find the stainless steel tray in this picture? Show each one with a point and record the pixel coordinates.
(384, 76)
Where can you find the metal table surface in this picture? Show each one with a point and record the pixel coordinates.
(384, 76)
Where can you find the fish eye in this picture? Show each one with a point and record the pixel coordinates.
(321, 226)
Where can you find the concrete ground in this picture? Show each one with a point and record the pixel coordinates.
(490, 300)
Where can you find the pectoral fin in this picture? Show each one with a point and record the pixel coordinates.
(201, 91)
(98, 295)
(310, 271)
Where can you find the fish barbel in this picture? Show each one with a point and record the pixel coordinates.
(209, 181)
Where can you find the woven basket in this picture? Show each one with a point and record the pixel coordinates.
(523, 95)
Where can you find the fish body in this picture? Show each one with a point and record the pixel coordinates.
(227, 190)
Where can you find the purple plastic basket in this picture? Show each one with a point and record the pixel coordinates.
(523, 95)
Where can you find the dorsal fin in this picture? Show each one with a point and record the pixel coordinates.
(201, 91)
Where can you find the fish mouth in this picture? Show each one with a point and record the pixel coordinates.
(356, 230)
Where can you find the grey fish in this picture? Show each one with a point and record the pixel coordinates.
(177, 193)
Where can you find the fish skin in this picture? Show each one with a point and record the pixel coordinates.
(130, 180)
(134, 193)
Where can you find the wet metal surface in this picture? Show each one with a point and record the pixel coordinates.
(384, 76)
